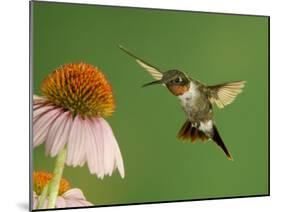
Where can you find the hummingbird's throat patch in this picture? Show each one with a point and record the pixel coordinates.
(178, 89)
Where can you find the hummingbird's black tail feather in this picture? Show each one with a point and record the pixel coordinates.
(187, 131)
(218, 140)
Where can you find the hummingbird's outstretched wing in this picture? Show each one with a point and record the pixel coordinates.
(224, 94)
(152, 70)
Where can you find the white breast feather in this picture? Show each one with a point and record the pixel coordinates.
(189, 96)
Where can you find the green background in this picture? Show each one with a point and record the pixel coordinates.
(212, 48)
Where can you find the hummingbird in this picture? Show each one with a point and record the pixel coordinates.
(197, 100)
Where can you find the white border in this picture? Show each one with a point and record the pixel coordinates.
(14, 103)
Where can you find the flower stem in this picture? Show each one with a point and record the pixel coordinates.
(42, 197)
(55, 182)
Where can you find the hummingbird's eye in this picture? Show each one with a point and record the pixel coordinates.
(178, 80)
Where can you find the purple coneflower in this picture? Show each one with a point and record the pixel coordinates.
(69, 118)
(67, 196)
(76, 98)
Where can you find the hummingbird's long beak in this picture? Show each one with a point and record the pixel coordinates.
(153, 83)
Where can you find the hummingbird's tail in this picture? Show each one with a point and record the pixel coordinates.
(188, 131)
(193, 133)
(218, 140)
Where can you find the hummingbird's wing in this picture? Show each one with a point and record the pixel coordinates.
(224, 94)
(152, 70)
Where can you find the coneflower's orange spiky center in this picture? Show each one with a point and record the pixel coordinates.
(80, 88)
(40, 179)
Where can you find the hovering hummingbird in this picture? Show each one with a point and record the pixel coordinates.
(197, 100)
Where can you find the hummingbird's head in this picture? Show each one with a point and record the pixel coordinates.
(176, 81)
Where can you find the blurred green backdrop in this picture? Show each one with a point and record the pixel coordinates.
(210, 47)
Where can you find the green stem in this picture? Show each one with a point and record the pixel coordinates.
(42, 197)
(55, 182)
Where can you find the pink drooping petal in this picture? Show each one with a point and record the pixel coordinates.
(58, 134)
(42, 125)
(60, 202)
(39, 99)
(112, 143)
(85, 203)
(34, 200)
(74, 193)
(39, 111)
(82, 161)
(54, 132)
(36, 106)
(119, 160)
(93, 152)
(72, 140)
(109, 147)
(99, 140)
(97, 146)
(91, 149)
(75, 198)
(72, 203)
(76, 142)
(77, 203)
(81, 150)
(63, 138)
(104, 146)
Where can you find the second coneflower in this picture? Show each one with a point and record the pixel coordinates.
(69, 118)
(67, 196)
